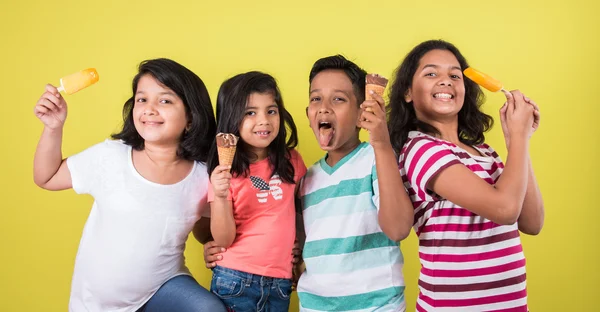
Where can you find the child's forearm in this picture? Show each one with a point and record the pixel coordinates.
(48, 156)
(222, 223)
(395, 208)
(531, 219)
(513, 181)
(201, 230)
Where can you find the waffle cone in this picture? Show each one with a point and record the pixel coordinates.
(377, 88)
(226, 155)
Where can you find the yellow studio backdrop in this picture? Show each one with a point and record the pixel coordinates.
(548, 49)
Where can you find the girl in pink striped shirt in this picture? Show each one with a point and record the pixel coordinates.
(469, 206)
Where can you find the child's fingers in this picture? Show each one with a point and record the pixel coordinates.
(52, 89)
(503, 110)
(47, 104)
(378, 98)
(52, 98)
(223, 168)
(372, 107)
(40, 110)
(519, 98)
(532, 103)
(510, 102)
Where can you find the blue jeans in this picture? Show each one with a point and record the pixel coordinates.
(243, 292)
(183, 294)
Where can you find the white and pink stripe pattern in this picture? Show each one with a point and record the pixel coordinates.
(468, 263)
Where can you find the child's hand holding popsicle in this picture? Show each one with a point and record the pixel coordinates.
(494, 85)
(51, 108)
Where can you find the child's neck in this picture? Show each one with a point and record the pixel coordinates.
(160, 164)
(334, 156)
(257, 154)
(161, 156)
(448, 130)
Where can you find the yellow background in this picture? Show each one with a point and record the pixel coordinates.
(548, 49)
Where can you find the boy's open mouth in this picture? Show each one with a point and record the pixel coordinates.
(326, 132)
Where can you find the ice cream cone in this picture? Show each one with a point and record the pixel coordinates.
(226, 155)
(226, 146)
(376, 83)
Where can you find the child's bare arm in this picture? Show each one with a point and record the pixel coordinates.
(297, 260)
(50, 170)
(502, 202)
(396, 212)
(531, 219)
(222, 223)
(201, 230)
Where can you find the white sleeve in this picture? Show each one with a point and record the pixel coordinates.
(204, 206)
(375, 196)
(86, 167)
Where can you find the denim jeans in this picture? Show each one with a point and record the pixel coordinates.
(183, 294)
(245, 292)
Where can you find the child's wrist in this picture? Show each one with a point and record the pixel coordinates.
(381, 146)
(56, 130)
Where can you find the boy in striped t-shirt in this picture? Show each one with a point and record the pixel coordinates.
(354, 206)
(469, 206)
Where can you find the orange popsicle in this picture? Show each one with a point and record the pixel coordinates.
(483, 79)
(79, 80)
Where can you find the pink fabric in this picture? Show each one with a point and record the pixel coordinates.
(265, 219)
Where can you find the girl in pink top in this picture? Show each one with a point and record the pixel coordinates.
(252, 201)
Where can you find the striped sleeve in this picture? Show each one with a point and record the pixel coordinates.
(424, 158)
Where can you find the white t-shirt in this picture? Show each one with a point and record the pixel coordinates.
(134, 238)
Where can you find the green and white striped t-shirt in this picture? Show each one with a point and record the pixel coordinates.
(351, 265)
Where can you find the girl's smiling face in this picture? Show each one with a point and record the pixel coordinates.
(438, 89)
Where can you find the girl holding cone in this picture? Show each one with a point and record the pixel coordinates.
(252, 197)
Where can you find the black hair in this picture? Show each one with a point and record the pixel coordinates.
(472, 122)
(356, 74)
(231, 108)
(196, 140)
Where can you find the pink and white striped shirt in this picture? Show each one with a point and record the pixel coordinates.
(468, 263)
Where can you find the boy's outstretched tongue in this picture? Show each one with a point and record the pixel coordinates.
(325, 136)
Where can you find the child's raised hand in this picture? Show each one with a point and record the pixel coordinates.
(373, 119)
(212, 254)
(220, 180)
(519, 115)
(51, 108)
(503, 112)
(536, 113)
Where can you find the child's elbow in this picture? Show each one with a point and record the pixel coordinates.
(40, 182)
(397, 233)
(533, 231)
(224, 242)
(509, 215)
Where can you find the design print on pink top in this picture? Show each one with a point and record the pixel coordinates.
(264, 189)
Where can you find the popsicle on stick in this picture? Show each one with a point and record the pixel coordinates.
(226, 146)
(79, 80)
(484, 80)
(377, 83)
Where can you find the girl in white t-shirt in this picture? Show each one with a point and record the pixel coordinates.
(149, 185)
